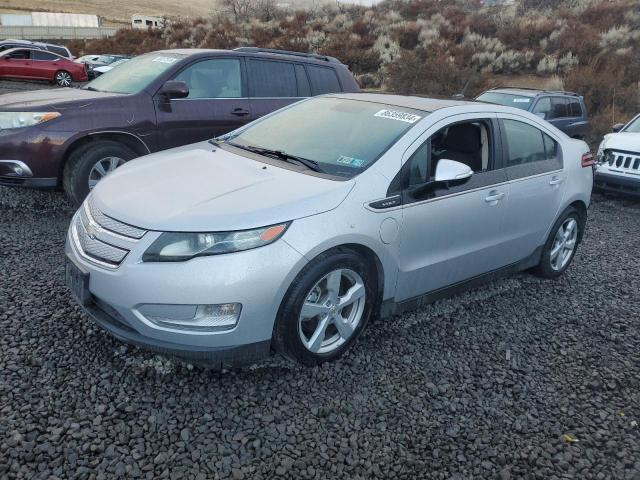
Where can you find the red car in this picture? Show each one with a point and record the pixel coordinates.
(31, 64)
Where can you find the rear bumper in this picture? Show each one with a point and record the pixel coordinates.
(617, 183)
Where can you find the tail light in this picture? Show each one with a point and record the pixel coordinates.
(587, 159)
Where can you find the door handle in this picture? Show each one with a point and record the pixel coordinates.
(494, 197)
(556, 181)
(240, 112)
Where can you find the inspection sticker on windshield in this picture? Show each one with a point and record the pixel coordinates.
(353, 162)
(164, 59)
(396, 115)
(521, 100)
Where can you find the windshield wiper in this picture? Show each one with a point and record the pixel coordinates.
(287, 157)
(91, 89)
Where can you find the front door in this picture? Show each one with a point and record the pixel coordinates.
(452, 233)
(16, 64)
(534, 167)
(216, 103)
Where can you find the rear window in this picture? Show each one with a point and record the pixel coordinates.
(272, 79)
(59, 50)
(323, 80)
(507, 99)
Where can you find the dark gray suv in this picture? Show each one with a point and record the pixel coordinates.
(565, 110)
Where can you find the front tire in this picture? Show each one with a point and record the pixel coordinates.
(561, 245)
(326, 308)
(63, 78)
(90, 164)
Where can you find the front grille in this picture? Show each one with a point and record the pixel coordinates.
(102, 239)
(623, 161)
(111, 224)
(96, 249)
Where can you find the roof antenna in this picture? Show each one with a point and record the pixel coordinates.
(460, 96)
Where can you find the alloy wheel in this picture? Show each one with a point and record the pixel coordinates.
(332, 311)
(564, 244)
(63, 79)
(102, 168)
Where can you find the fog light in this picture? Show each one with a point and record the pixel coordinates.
(222, 316)
(18, 170)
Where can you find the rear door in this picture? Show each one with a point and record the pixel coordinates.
(217, 103)
(45, 64)
(534, 168)
(560, 114)
(577, 123)
(274, 84)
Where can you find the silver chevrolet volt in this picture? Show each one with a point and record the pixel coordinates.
(292, 232)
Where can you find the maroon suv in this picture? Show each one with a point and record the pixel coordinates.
(72, 138)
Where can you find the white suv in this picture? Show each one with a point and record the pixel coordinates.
(618, 167)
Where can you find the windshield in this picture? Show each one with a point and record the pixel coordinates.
(343, 136)
(507, 99)
(633, 126)
(136, 74)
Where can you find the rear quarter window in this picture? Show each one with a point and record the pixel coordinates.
(323, 80)
(59, 50)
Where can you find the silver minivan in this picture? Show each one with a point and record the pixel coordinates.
(293, 231)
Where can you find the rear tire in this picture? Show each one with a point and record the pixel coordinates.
(562, 244)
(308, 338)
(63, 78)
(83, 166)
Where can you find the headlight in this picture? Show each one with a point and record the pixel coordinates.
(25, 119)
(178, 247)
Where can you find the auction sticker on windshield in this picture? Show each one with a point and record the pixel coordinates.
(396, 115)
(164, 59)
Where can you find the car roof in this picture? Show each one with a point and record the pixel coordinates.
(426, 104)
(248, 51)
(530, 92)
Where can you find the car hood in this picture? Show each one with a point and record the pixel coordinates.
(200, 188)
(55, 98)
(629, 141)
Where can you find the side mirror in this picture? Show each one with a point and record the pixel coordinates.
(452, 171)
(542, 115)
(174, 89)
(617, 127)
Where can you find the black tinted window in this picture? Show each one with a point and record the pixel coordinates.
(41, 55)
(304, 89)
(575, 110)
(526, 143)
(218, 78)
(559, 107)
(59, 50)
(323, 80)
(21, 54)
(272, 79)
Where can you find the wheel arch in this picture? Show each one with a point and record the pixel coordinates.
(581, 207)
(129, 139)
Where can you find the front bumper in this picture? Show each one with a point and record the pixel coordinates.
(16, 173)
(257, 279)
(618, 183)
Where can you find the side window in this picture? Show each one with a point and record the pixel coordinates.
(575, 110)
(42, 55)
(21, 54)
(464, 142)
(559, 107)
(272, 79)
(219, 78)
(304, 89)
(323, 80)
(525, 143)
(59, 50)
(550, 147)
(543, 106)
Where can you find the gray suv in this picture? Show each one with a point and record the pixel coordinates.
(564, 110)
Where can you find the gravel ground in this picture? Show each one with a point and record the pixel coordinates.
(521, 378)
